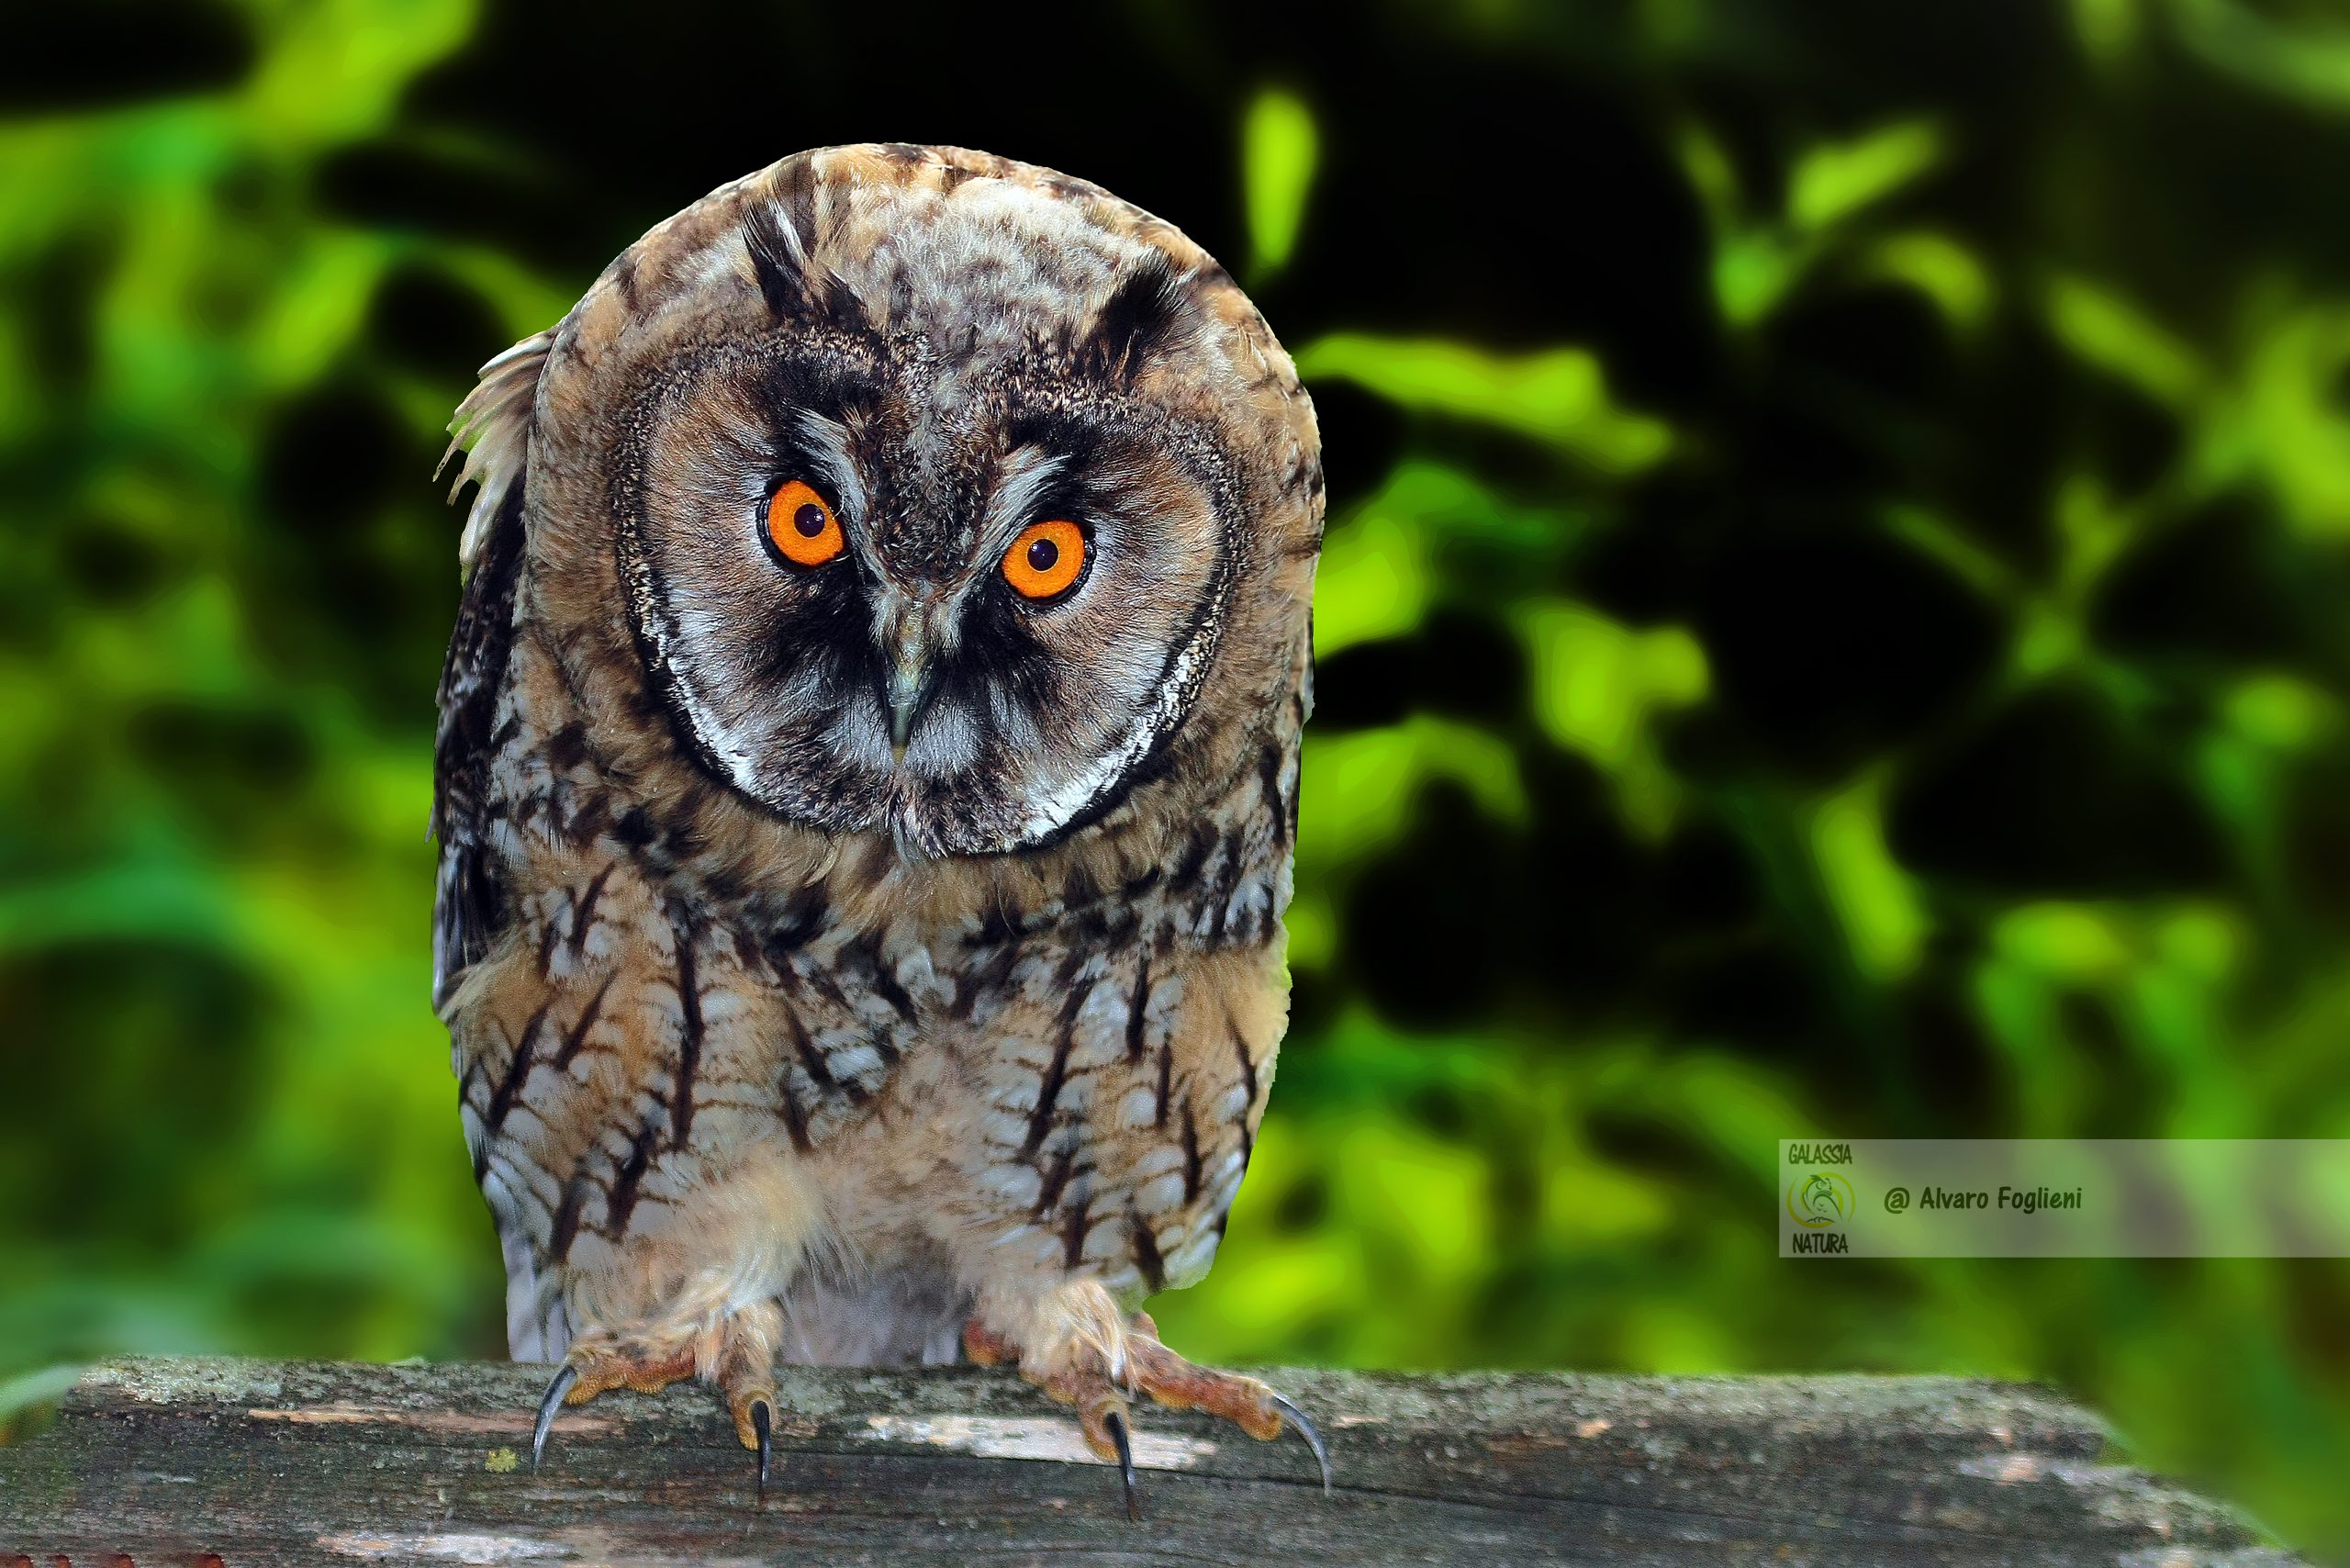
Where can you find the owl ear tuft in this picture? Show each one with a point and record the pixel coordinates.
(1134, 322)
(796, 287)
(492, 428)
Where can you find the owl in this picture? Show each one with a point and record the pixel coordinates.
(866, 780)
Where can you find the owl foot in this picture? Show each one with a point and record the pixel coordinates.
(1247, 1402)
(1095, 1365)
(596, 1366)
(744, 1360)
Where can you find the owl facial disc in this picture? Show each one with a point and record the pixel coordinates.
(909, 543)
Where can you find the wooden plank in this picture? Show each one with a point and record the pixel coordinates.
(260, 1462)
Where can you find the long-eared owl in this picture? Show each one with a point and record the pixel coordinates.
(867, 775)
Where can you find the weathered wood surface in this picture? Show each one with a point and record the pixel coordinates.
(251, 1462)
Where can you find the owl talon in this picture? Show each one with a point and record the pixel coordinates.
(1115, 1421)
(564, 1377)
(588, 1370)
(763, 1423)
(1303, 1427)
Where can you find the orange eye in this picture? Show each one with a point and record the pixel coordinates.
(802, 527)
(1045, 559)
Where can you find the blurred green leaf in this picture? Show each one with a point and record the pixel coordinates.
(151, 901)
(1431, 532)
(2281, 712)
(2069, 941)
(2099, 325)
(2107, 28)
(2305, 57)
(25, 1395)
(1950, 544)
(1374, 580)
(1711, 175)
(1834, 181)
(1754, 271)
(1874, 899)
(1364, 785)
(1756, 266)
(1935, 265)
(1598, 685)
(1278, 148)
(337, 67)
(2286, 422)
(1559, 396)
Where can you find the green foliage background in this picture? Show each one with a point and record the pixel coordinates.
(1832, 624)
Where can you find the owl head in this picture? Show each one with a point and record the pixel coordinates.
(925, 492)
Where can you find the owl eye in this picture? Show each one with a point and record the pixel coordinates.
(802, 527)
(1045, 560)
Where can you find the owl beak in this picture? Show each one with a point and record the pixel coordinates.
(907, 692)
(908, 636)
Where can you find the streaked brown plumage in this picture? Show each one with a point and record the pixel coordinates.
(863, 962)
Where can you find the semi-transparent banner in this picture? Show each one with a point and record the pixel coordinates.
(2064, 1198)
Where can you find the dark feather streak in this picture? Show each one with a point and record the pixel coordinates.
(1049, 1093)
(583, 910)
(1270, 770)
(1193, 1165)
(576, 1035)
(518, 1069)
(621, 1201)
(689, 1035)
(1146, 1257)
(1056, 1178)
(567, 1218)
(1136, 1008)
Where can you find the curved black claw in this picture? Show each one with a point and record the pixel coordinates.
(761, 1423)
(1117, 1425)
(1305, 1429)
(564, 1378)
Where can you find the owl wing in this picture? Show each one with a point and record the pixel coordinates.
(466, 913)
(470, 910)
(492, 428)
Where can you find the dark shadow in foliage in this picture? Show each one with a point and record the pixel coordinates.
(2059, 795)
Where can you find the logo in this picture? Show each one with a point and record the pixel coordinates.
(1822, 1198)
